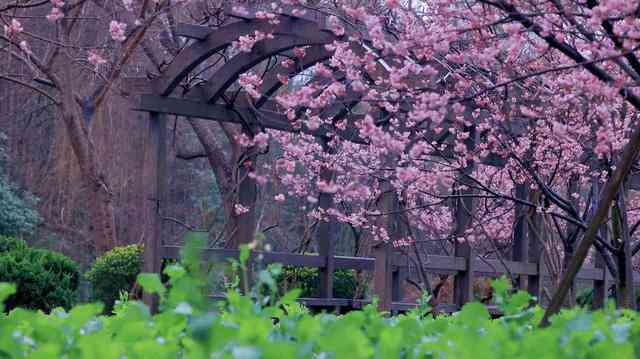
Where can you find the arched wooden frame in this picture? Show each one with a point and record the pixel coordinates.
(202, 102)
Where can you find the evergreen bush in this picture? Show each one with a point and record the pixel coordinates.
(115, 272)
(45, 279)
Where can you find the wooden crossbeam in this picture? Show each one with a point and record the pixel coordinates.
(239, 115)
(434, 264)
(196, 32)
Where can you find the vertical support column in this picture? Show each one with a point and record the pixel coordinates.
(600, 287)
(382, 277)
(326, 232)
(534, 282)
(463, 281)
(155, 173)
(625, 290)
(520, 239)
(382, 252)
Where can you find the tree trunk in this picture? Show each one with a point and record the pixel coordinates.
(100, 206)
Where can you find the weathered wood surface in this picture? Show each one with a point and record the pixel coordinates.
(435, 264)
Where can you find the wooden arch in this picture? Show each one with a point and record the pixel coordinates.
(203, 102)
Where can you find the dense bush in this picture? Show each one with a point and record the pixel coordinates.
(8, 244)
(115, 272)
(45, 279)
(308, 281)
(190, 326)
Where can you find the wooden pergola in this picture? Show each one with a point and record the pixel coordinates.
(205, 102)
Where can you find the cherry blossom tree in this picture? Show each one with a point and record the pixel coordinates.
(476, 100)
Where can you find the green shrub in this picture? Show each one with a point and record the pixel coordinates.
(44, 279)
(10, 244)
(308, 281)
(115, 272)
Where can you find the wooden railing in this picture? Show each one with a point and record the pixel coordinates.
(458, 266)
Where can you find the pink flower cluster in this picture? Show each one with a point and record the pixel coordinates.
(245, 43)
(117, 30)
(95, 59)
(14, 28)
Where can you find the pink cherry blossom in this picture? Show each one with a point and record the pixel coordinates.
(95, 59)
(118, 31)
(128, 4)
(14, 28)
(55, 14)
(240, 209)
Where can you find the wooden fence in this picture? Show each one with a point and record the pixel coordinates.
(391, 296)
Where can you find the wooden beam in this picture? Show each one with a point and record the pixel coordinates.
(357, 263)
(220, 255)
(196, 32)
(222, 113)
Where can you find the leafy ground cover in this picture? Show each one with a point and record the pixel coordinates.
(263, 325)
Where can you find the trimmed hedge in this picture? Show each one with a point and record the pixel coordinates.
(45, 279)
(114, 272)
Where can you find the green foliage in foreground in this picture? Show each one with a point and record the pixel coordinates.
(189, 326)
(115, 272)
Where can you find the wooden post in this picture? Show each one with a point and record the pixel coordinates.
(534, 228)
(600, 287)
(155, 173)
(463, 280)
(520, 245)
(326, 233)
(383, 276)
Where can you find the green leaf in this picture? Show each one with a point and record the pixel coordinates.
(244, 254)
(6, 290)
(151, 283)
(175, 271)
